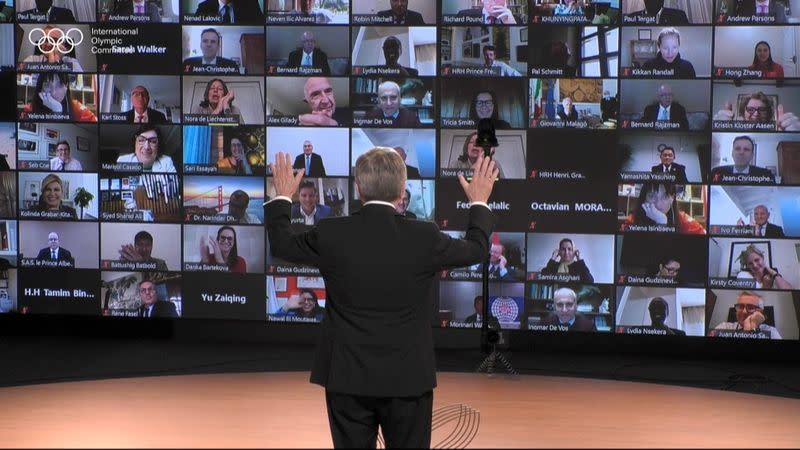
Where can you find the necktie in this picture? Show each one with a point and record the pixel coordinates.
(758, 230)
(139, 10)
(306, 60)
(662, 114)
(63, 167)
(666, 169)
(308, 165)
(53, 254)
(226, 14)
(492, 20)
(139, 118)
(762, 10)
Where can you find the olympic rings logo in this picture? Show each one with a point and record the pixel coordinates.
(61, 42)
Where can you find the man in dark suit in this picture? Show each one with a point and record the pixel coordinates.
(309, 55)
(565, 302)
(389, 107)
(402, 207)
(663, 16)
(310, 161)
(141, 111)
(232, 11)
(742, 154)
(493, 14)
(375, 353)
(209, 45)
(476, 318)
(666, 110)
(668, 165)
(401, 15)
(54, 252)
(412, 173)
(763, 8)
(46, 12)
(138, 8)
(308, 211)
(498, 265)
(761, 225)
(566, 111)
(151, 305)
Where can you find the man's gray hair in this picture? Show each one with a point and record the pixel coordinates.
(565, 293)
(380, 174)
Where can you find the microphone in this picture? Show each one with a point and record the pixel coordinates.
(487, 139)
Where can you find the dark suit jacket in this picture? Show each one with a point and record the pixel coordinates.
(197, 61)
(748, 8)
(679, 170)
(573, 115)
(412, 17)
(63, 255)
(126, 9)
(472, 12)
(412, 173)
(56, 15)
(379, 270)
(582, 323)
(754, 171)
(576, 268)
(244, 11)
(317, 167)
(493, 322)
(669, 16)
(153, 116)
(677, 113)
(319, 60)
(406, 119)
(774, 231)
(161, 308)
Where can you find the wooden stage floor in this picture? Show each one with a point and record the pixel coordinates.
(281, 409)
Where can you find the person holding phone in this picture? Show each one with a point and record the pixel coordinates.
(567, 259)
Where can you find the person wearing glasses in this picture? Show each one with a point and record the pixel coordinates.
(757, 268)
(749, 308)
(484, 106)
(223, 250)
(146, 141)
(389, 107)
(758, 108)
(665, 109)
(304, 305)
(669, 268)
(565, 307)
(54, 251)
(152, 306)
(141, 111)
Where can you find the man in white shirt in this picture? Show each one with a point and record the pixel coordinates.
(62, 161)
(309, 56)
(749, 308)
(498, 67)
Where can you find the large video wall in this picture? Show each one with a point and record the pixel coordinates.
(649, 154)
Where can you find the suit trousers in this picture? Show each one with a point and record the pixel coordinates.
(354, 420)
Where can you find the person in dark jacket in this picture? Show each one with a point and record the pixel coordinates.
(669, 56)
(566, 259)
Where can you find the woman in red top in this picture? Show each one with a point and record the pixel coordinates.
(658, 206)
(762, 60)
(54, 97)
(225, 250)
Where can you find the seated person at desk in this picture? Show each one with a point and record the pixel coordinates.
(669, 55)
(309, 55)
(209, 45)
(392, 49)
(762, 60)
(51, 196)
(217, 100)
(308, 211)
(152, 306)
(62, 160)
(493, 12)
(757, 268)
(141, 111)
(662, 15)
(666, 110)
(742, 154)
(477, 317)
(54, 252)
(566, 111)
(48, 12)
(51, 52)
(141, 251)
(567, 259)
(659, 311)
(499, 68)
(305, 305)
(401, 15)
(238, 203)
(469, 155)
(138, 8)
(657, 205)
(232, 11)
(389, 107)
(52, 95)
(668, 165)
(565, 304)
(759, 109)
(761, 225)
(146, 152)
(320, 97)
(223, 250)
(498, 265)
(749, 309)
